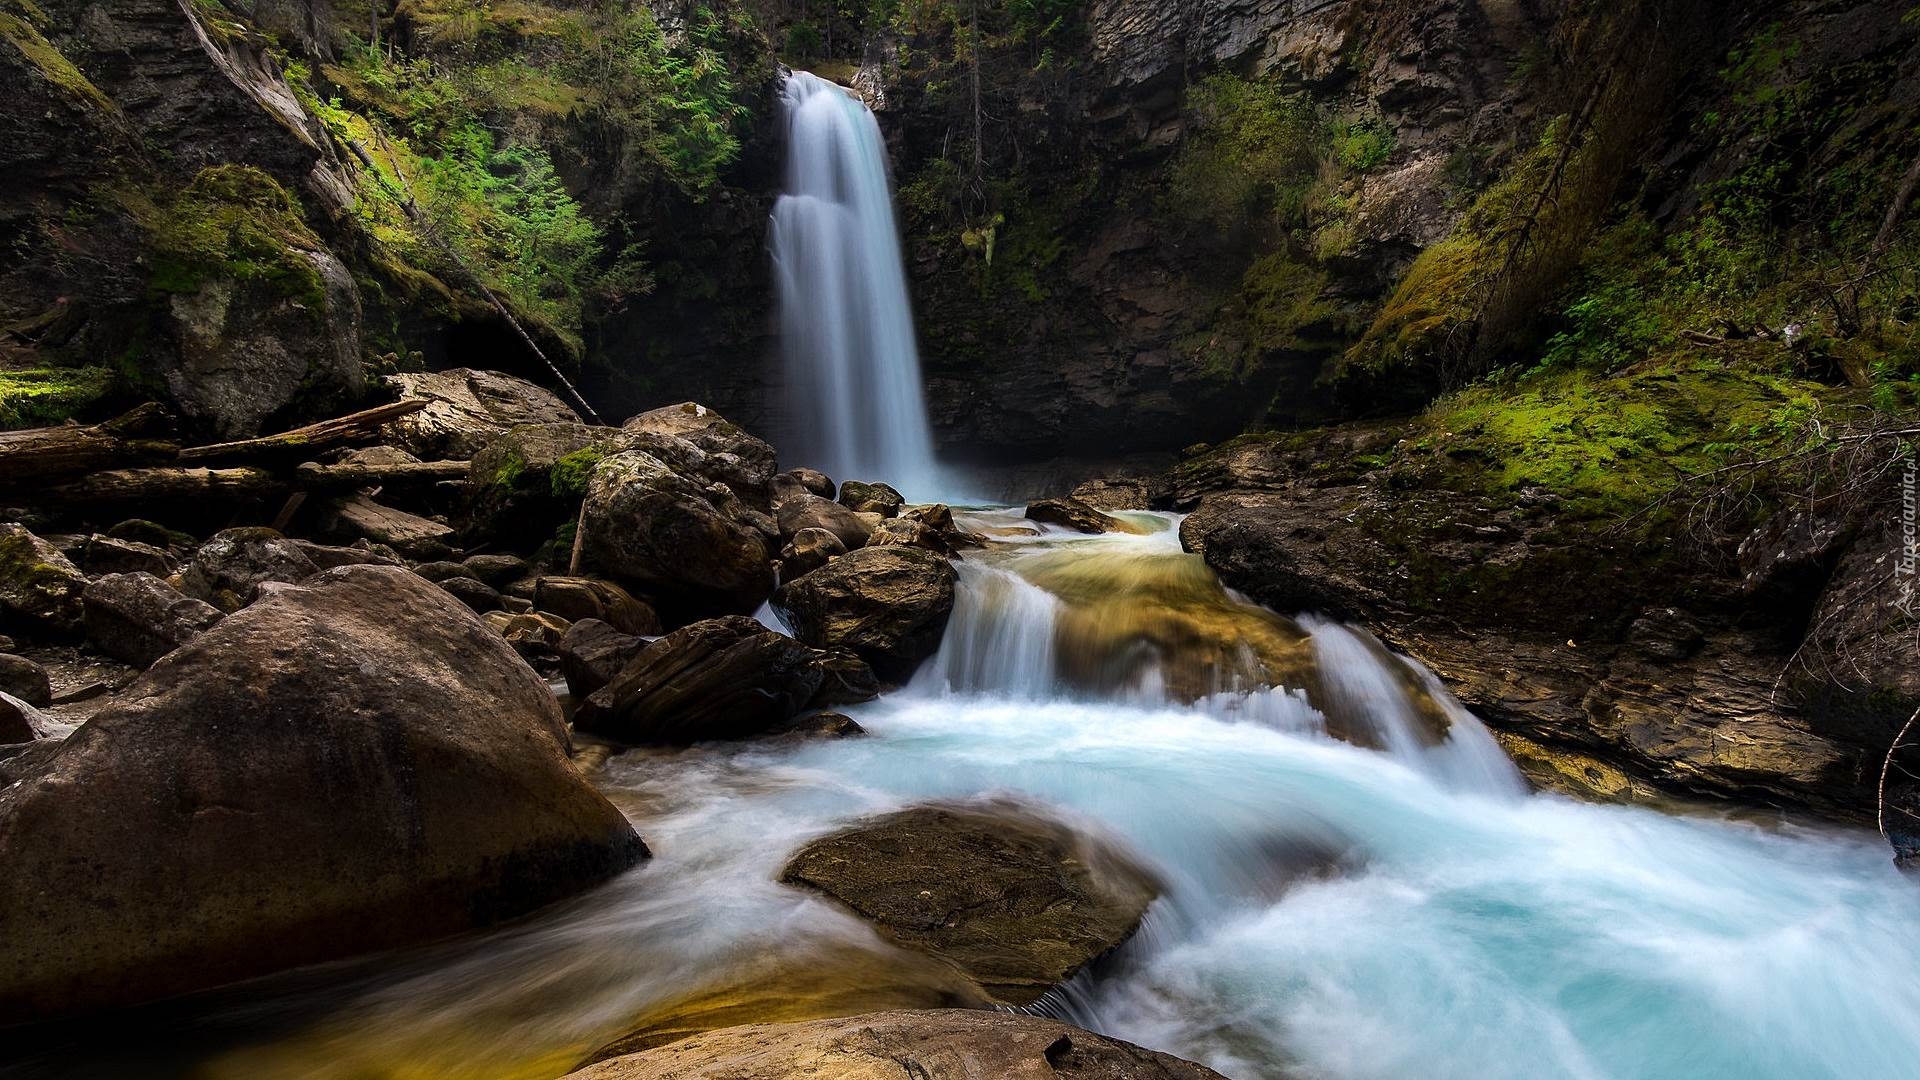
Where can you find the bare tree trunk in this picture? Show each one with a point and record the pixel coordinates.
(979, 137)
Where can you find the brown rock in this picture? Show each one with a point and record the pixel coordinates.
(947, 1044)
(25, 680)
(592, 653)
(137, 618)
(679, 539)
(349, 765)
(110, 555)
(1076, 515)
(466, 409)
(809, 550)
(576, 598)
(725, 678)
(889, 605)
(802, 512)
(867, 498)
(229, 569)
(1019, 903)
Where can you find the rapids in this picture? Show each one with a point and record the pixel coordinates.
(1358, 884)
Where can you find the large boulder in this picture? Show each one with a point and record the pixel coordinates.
(39, 586)
(731, 456)
(888, 604)
(1018, 902)
(724, 678)
(229, 569)
(944, 1044)
(466, 410)
(677, 538)
(352, 764)
(137, 618)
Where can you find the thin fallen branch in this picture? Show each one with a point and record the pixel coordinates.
(305, 440)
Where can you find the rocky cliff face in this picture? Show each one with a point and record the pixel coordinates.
(1127, 276)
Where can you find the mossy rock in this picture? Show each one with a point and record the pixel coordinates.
(38, 584)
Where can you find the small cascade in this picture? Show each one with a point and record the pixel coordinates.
(1135, 619)
(856, 409)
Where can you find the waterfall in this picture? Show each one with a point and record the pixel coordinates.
(847, 338)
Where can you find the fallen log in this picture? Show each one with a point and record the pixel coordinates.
(165, 482)
(304, 441)
(36, 455)
(346, 475)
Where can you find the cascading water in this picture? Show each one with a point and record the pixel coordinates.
(852, 366)
(1357, 887)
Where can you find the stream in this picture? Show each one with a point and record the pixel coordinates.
(1357, 882)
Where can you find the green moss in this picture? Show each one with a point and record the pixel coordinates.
(234, 223)
(1254, 148)
(17, 20)
(1608, 446)
(571, 473)
(45, 396)
(507, 476)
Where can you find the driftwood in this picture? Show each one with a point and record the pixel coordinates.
(40, 454)
(305, 440)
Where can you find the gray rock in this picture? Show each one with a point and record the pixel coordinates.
(889, 605)
(229, 569)
(466, 410)
(111, 555)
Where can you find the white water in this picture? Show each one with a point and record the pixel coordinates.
(847, 335)
(1331, 911)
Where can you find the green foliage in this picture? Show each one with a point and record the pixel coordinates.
(1363, 145)
(1254, 149)
(36, 397)
(231, 222)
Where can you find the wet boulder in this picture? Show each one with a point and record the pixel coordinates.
(138, 618)
(1018, 902)
(678, 538)
(799, 513)
(943, 1044)
(39, 586)
(889, 605)
(725, 678)
(1071, 513)
(867, 498)
(229, 569)
(592, 653)
(352, 764)
(1120, 493)
(809, 550)
(467, 409)
(802, 482)
(847, 679)
(25, 680)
